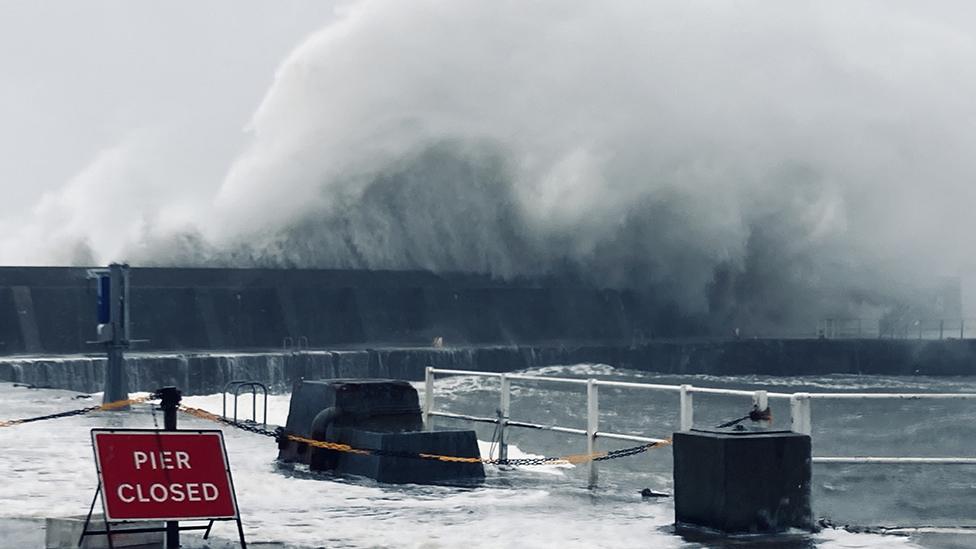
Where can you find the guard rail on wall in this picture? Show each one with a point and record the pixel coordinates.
(902, 328)
(800, 407)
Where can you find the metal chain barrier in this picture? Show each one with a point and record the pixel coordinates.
(210, 416)
(280, 434)
(79, 412)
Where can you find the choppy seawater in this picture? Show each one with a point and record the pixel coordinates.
(47, 468)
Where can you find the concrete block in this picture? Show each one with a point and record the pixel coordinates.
(63, 533)
(742, 482)
(377, 415)
(407, 470)
(373, 404)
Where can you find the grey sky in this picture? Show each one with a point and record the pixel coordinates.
(76, 77)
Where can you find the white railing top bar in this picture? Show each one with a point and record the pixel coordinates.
(906, 396)
(634, 438)
(635, 385)
(739, 392)
(902, 460)
(465, 373)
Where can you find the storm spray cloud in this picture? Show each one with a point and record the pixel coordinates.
(752, 162)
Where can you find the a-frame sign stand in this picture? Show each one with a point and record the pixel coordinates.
(108, 528)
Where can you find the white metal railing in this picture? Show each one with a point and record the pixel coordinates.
(800, 407)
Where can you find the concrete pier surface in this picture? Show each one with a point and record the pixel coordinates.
(29, 533)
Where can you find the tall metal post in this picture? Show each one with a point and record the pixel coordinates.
(687, 413)
(116, 377)
(428, 398)
(592, 426)
(170, 398)
(504, 405)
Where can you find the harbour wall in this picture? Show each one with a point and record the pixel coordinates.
(52, 310)
(203, 373)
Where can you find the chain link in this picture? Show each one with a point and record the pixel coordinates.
(210, 416)
(79, 412)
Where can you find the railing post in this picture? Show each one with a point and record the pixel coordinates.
(504, 404)
(687, 412)
(592, 425)
(800, 413)
(428, 398)
(760, 399)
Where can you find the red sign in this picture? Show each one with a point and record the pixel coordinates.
(164, 475)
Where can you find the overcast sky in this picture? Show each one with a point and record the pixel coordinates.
(80, 76)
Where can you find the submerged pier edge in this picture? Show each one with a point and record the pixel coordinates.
(208, 372)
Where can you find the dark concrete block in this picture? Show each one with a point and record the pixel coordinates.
(403, 470)
(370, 404)
(381, 415)
(742, 482)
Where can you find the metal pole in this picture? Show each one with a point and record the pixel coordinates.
(170, 401)
(116, 377)
(504, 405)
(592, 425)
(687, 409)
(429, 398)
(962, 328)
(800, 413)
(116, 380)
(941, 329)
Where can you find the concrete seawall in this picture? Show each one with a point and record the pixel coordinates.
(200, 373)
(51, 310)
